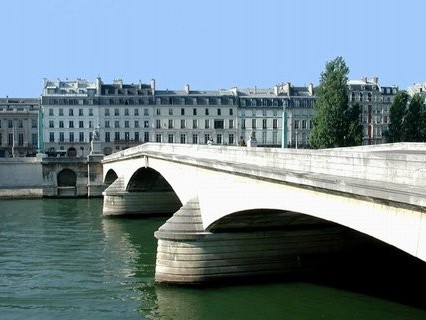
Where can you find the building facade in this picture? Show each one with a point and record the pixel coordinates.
(19, 127)
(375, 102)
(129, 114)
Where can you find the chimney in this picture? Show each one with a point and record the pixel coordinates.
(187, 89)
(98, 85)
(153, 86)
(276, 90)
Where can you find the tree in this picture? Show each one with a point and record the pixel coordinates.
(397, 114)
(413, 124)
(336, 124)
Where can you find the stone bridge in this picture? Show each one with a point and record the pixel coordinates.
(241, 211)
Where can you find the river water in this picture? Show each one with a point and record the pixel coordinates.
(59, 259)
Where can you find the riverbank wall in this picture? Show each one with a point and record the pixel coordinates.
(22, 178)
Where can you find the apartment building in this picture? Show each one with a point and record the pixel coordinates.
(18, 127)
(375, 102)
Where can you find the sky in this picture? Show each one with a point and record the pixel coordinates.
(208, 44)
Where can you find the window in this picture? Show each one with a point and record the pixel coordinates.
(51, 112)
(116, 136)
(219, 138)
(51, 137)
(20, 139)
(304, 124)
(274, 123)
(61, 137)
(127, 124)
(136, 112)
(71, 124)
(71, 112)
(263, 123)
(116, 124)
(207, 124)
(81, 136)
(158, 138)
(183, 138)
(116, 112)
(206, 137)
(170, 111)
(158, 124)
(194, 111)
(170, 124)
(219, 112)
(253, 123)
(182, 111)
(207, 111)
(81, 124)
(90, 112)
(51, 124)
(231, 123)
(136, 124)
(264, 113)
(231, 112)
(20, 123)
(107, 137)
(218, 124)
(61, 112)
(126, 136)
(10, 124)
(243, 124)
(107, 112)
(146, 136)
(146, 124)
(10, 140)
(90, 124)
(146, 112)
(80, 112)
(170, 138)
(194, 124)
(34, 138)
(136, 136)
(182, 124)
(231, 139)
(34, 123)
(126, 112)
(107, 124)
(296, 124)
(71, 136)
(195, 138)
(158, 112)
(275, 113)
(61, 124)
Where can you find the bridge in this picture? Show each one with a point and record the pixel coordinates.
(241, 211)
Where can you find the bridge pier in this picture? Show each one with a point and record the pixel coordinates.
(187, 254)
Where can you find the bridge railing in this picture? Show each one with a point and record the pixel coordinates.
(400, 163)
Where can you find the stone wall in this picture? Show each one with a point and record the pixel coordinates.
(20, 178)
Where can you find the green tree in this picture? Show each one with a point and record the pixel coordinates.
(414, 120)
(336, 124)
(397, 114)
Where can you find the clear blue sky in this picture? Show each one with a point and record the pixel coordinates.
(208, 44)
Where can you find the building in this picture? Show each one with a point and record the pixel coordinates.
(419, 88)
(375, 102)
(18, 127)
(129, 114)
(262, 111)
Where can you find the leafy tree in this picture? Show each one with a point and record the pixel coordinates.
(413, 124)
(397, 114)
(336, 124)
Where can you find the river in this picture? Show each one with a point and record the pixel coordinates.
(59, 259)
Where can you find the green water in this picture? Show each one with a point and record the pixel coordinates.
(59, 259)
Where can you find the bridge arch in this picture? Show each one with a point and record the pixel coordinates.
(110, 177)
(148, 179)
